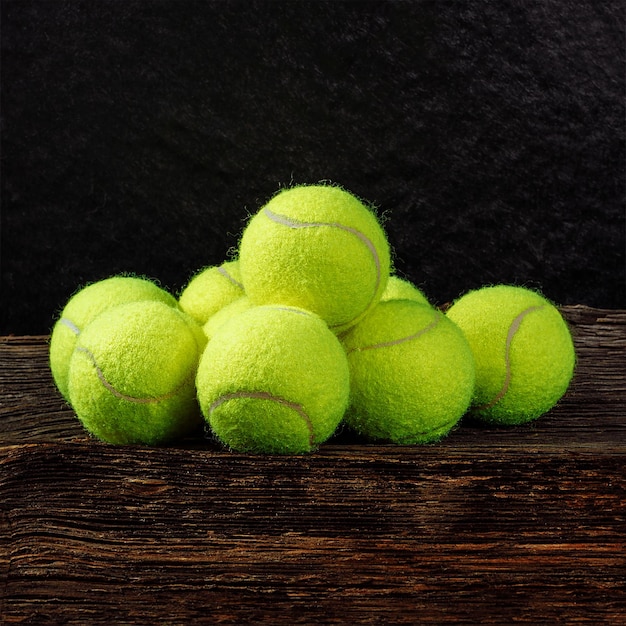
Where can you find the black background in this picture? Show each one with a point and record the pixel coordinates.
(139, 136)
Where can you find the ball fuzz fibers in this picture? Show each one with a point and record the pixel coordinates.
(319, 248)
(523, 351)
(412, 373)
(132, 373)
(87, 304)
(210, 290)
(273, 379)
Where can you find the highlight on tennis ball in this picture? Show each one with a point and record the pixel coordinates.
(307, 330)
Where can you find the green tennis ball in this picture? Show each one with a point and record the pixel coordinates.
(87, 304)
(523, 351)
(211, 289)
(399, 289)
(273, 379)
(319, 248)
(224, 314)
(132, 374)
(411, 371)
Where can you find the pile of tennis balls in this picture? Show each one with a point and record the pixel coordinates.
(304, 331)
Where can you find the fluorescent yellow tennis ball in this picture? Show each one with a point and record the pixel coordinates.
(273, 379)
(211, 289)
(88, 303)
(523, 351)
(399, 289)
(132, 374)
(317, 247)
(411, 372)
(224, 314)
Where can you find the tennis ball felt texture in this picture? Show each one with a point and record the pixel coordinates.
(411, 371)
(132, 374)
(400, 289)
(211, 289)
(523, 351)
(224, 314)
(87, 304)
(273, 379)
(317, 247)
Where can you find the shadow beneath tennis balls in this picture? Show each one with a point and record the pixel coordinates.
(472, 423)
(345, 436)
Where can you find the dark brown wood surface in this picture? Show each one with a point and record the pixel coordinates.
(491, 526)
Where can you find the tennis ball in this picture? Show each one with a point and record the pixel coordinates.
(273, 379)
(211, 289)
(523, 351)
(399, 289)
(319, 248)
(411, 372)
(132, 374)
(224, 314)
(88, 303)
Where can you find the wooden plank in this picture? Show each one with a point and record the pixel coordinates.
(489, 526)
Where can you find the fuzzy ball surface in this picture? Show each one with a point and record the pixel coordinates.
(132, 374)
(317, 247)
(224, 314)
(401, 289)
(411, 371)
(523, 351)
(273, 379)
(87, 304)
(210, 290)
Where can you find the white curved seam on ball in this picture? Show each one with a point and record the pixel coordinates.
(263, 395)
(70, 325)
(291, 223)
(118, 394)
(230, 277)
(292, 310)
(513, 328)
(396, 342)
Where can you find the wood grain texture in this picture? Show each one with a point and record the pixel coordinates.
(493, 526)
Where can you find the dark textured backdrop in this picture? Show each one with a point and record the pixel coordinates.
(138, 135)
